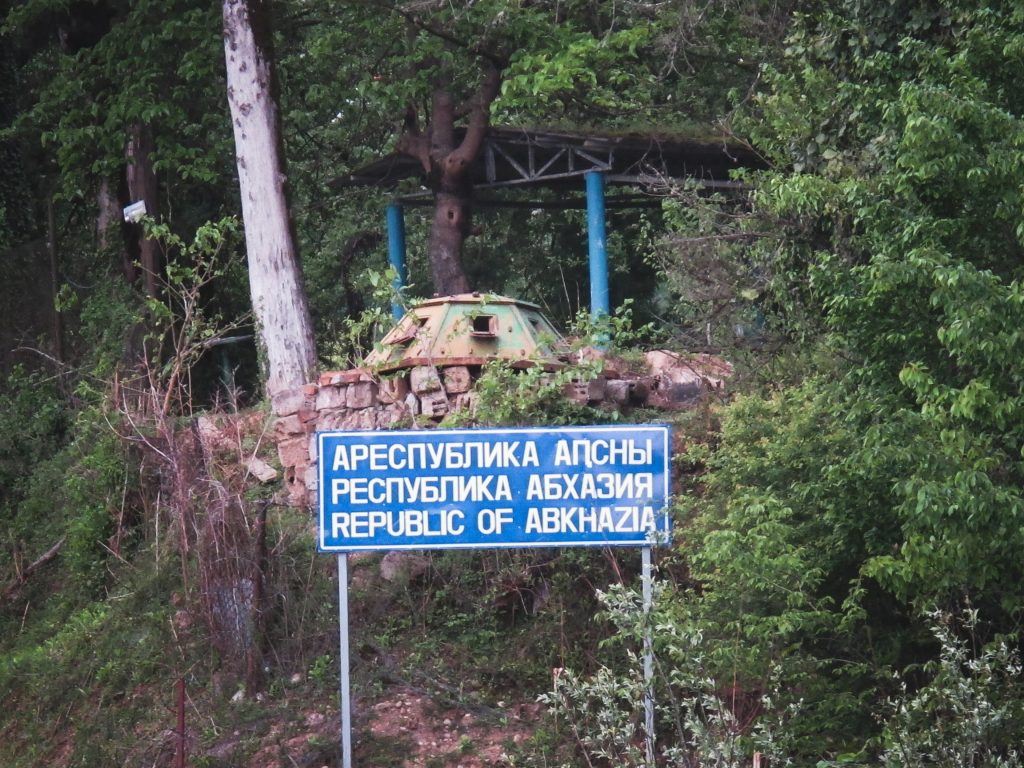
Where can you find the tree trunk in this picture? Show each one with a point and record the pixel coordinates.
(51, 248)
(109, 223)
(275, 281)
(447, 168)
(142, 185)
(360, 243)
(448, 232)
(108, 214)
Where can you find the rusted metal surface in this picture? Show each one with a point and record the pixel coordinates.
(517, 157)
(469, 329)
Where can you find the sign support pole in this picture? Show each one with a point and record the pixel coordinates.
(596, 242)
(343, 662)
(396, 254)
(648, 658)
(515, 459)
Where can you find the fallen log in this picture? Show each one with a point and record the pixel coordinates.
(12, 590)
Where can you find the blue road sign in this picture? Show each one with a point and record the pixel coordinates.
(480, 488)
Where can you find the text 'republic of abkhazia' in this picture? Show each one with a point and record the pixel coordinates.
(592, 489)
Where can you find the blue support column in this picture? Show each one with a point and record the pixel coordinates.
(599, 304)
(396, 253)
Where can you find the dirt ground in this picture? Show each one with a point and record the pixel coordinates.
(403, 728)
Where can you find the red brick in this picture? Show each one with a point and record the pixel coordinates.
(289, 425)
(434, 404)
(424, 379)
(330, 397)
(457, 379)
(350, 377)
(393, 389)
(293, 452)
(333, 420)
(361, 395)
(465, 402)
(592, 391)
(287, 401)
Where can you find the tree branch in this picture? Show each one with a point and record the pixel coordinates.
(725, 237)
(479, 120)
(497, 60)
(412, 142)
(12, 590)
(442, 120)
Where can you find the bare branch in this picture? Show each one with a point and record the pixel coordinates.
(479, 48)
(12, 591)
(412, 142)
(720, 238)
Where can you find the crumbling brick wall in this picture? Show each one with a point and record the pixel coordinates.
(421, 396)
(358, 400)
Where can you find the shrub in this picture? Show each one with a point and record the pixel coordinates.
(970, 713)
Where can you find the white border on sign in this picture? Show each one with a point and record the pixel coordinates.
(664, 429)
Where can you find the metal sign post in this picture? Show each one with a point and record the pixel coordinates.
(343, 662)
(595, 486)
(648, 658)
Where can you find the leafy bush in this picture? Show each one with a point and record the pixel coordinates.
(703, 720)
(33, 423)
(79, 491)
(970, 713)
(511, 397)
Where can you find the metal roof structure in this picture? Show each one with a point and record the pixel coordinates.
(563, 161)
(519, 157)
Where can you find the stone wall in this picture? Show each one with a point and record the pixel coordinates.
(357, 400)
(422, 396)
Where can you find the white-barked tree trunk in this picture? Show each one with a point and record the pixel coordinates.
(279, 301)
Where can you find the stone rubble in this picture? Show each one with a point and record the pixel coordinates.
(261, 470)
(423, 395)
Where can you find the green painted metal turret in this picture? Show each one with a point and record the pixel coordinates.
(469, 329)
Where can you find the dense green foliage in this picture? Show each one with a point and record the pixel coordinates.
(880, 475)
(845, 583)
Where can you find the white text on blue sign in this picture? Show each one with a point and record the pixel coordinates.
(449, 489)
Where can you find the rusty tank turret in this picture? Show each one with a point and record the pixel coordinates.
(469, 329)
